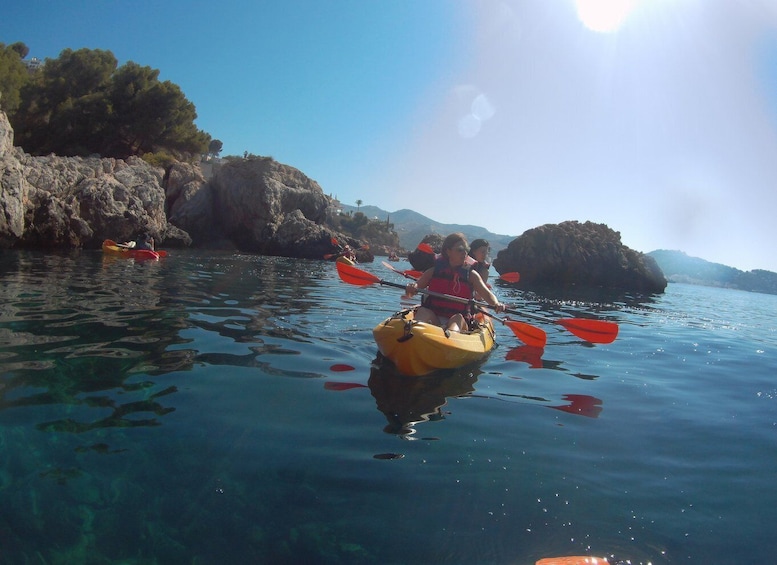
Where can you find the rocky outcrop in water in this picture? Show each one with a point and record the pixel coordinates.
(581, 254)
(260, 206)
(255, 205)
(420, 258)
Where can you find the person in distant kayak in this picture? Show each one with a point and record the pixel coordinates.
(348, 253)
(478, 251)
(144, 241)
(451, 275)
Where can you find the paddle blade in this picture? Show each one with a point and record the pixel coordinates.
(595, 331)
(334, 242)
(510, 277)
(162, 253)
(352, 275)
(530, 335)
(410, 274)
(391, 267)
(425, 248)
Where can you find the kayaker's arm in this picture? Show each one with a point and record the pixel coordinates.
(422, 282)
(482, 290)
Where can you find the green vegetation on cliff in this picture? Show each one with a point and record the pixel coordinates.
(83, 103)
(375, 232)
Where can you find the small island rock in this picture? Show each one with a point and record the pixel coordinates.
(583, 254)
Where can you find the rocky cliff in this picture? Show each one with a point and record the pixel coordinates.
(581, 254)
(255, 205)
(258, 205)
(67, 202)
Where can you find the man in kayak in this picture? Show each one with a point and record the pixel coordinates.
(452, 276)
(144, 241)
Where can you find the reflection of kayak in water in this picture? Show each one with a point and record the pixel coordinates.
(113, 248)
(418, 348)
(407, 401)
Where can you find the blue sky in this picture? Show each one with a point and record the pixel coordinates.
(505, 114)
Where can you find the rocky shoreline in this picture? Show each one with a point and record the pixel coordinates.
(255, 205)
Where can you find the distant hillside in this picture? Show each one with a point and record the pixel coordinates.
(679, 267)
(411, 227)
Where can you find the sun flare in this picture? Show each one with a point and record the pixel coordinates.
(604, 16)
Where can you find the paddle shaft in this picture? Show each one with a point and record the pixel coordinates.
(437, 294)
(461, 300)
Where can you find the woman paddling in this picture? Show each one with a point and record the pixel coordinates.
(451, 275)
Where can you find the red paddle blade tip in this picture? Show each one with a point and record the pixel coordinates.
(510, 277)
(595, 331)
(530, 335)
(355, 276)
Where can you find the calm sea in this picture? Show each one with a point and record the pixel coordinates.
(226, 408)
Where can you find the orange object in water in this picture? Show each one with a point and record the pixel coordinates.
(573, 560)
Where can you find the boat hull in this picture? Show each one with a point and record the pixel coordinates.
(418, 348)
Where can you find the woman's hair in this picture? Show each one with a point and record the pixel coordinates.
(452, 240)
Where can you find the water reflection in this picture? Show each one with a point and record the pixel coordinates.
(590, 296)
(533, 357)
(526, 354)
(75, 328)
(407, 401)
(577, 404)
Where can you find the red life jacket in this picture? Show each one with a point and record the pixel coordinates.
(448, 280)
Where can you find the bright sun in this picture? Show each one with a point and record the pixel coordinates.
(603, 15)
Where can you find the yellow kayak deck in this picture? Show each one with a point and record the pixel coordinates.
(418, 348)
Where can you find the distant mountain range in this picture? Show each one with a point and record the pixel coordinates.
(411, 227)
(679, 267)
(676, 265)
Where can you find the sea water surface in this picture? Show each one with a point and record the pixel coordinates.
(227, 408)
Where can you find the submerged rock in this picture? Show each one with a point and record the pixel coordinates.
(582, 254)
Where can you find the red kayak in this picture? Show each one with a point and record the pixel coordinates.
(110, 246)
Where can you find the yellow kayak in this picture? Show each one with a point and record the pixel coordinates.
(418, 348)
(345, 260)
